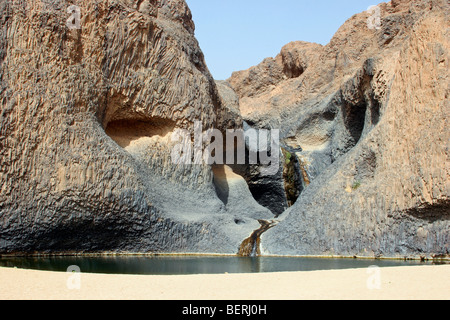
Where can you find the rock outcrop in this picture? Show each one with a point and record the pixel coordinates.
(86, 120)
(367, 118)
(88, 109)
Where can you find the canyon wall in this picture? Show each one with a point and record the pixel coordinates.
(87, 115)
(367, 117)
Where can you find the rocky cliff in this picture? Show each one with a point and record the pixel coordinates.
(87, 114)
(367, 118)
(89, 106)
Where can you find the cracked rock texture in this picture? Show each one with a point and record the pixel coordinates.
(367, 116)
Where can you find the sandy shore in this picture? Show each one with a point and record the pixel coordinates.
(423, 282)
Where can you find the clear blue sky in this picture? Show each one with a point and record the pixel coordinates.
(237, 34)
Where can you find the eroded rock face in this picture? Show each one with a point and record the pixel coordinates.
(87, 117)
(366, 116)
(86, 121)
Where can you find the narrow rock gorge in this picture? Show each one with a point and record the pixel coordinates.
(88, 117)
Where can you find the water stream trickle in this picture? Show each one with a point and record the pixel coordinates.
(250, 247)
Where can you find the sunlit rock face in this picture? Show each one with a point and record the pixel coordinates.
(367, 118)
(89, 102)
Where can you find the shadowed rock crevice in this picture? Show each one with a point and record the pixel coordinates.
(354, 120)
(291, 67)
(360, 109)
(293, 178)
(432, 212)
(268, 191)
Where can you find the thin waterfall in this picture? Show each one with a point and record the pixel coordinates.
(250, 247)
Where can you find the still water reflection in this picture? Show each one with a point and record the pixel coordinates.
(183, 265)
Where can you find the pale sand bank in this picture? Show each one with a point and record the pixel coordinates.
(423, 282)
